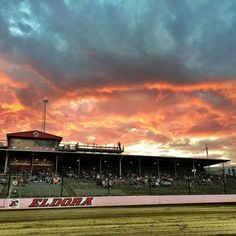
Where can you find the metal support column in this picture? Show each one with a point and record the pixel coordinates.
(139, 167)
(100, 167)
(158, 169)
(194, 171)
(78, 161)
(6, 163)
(175, 168)
(32, 163)
(120, 168)
(56, 164)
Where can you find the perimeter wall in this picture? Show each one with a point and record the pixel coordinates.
(70, 202)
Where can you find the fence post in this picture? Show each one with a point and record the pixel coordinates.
(62, 185)
(224, 183)
(20, 187)
(149, 184)
(108, 184)
(9, 184)
(189, 186)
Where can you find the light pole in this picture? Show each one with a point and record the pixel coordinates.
(45, 101)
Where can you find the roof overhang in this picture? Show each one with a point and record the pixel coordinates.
(201, 161)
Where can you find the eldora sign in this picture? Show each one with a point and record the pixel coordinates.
(60, 202)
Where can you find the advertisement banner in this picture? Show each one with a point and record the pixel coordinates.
(57, 202)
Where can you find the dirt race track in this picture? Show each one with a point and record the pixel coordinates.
(162, 220)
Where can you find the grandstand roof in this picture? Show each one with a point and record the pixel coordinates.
(200, 161)
(34, 134)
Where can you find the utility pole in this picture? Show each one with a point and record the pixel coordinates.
(206, 150)
(45, 101)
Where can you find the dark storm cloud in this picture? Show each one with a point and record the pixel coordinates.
(27, 96)
(216, 100)
(76, 44)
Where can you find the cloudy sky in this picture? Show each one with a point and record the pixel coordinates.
(159, 76)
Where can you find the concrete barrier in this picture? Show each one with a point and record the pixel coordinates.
(69, 202)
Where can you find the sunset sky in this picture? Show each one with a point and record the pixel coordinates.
(158, 76)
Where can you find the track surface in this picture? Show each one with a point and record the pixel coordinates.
(161, 220)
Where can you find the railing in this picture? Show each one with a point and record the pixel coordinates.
(91, 148)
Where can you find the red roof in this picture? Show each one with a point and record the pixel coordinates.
(34, 134)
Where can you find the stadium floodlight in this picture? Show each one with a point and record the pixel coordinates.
(45, 101)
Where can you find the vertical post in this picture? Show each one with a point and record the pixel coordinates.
(32, 164)
(62, 185)
(149, 184)
(139, 167)
(9, 184)
(120, 170)
(189, 185)
(78, 160)
(100, 167)
(108, 184)
(45, 101)
(223, 170)
(6, 163)
(158, 169)
(194, 171)
(175, 168)
(224, 183)
(224, 178)
(56, 165)
(206, 150)
(20, 189)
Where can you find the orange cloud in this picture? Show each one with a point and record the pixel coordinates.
(150, 114)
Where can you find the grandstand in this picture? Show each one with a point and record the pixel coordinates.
(37, 163)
